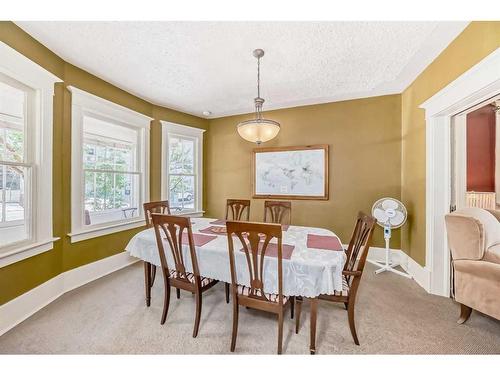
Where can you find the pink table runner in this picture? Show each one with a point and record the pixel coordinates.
(272, 250)
(223, 222)
(324, 242)
(219, 222)
(221, 231)
(199, 239)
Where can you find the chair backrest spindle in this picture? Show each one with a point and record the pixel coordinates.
(237, 207)
(158, 207)
(278, 212)
(359, 244)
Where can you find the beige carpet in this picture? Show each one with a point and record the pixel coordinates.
(394, 315)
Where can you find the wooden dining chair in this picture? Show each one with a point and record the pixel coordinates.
(278, 212)
(253, 243)
(353, 269)
(171, 229)
(160, 207)
(236, 208)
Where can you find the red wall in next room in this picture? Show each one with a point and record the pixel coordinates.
(481, 149)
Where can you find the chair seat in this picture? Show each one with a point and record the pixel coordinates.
(345, 289)
(245, 291)
(204, 280)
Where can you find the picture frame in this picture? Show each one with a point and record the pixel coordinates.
(293, 172)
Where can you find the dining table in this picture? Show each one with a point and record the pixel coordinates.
(312, 260)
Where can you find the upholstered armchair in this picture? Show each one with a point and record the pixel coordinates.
(474, 240)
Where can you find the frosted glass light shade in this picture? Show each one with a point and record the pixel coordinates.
(258, 131)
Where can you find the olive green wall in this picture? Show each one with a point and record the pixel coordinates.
(22, 276)
(364, 136)
(477, 41)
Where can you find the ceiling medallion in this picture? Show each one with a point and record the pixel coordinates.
(258, 129)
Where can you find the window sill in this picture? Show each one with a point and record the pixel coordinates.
(26, 251)
(87, 234)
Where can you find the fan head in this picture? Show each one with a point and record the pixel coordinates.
(389, 211)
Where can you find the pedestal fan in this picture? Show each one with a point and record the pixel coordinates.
(390, 214)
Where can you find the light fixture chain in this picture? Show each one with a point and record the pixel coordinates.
(258, 77)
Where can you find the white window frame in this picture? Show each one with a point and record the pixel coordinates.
(39, 143)
(171, 129)
(84, 103)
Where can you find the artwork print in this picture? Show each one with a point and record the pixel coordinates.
(291, 172)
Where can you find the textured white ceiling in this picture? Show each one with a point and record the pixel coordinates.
(199, 66)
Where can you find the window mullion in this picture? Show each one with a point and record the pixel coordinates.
(114, 190)
(4, 205)
(95, 189)
(15, 164)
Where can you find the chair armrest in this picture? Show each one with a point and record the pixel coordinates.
(495, 213)
(480, 269)
(465, 236)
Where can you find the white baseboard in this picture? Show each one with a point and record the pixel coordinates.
(418, 273)
(378, 254)
(15, 311)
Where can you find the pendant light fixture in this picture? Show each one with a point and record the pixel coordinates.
(259, 129)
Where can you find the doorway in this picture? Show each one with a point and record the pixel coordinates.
(475, 149)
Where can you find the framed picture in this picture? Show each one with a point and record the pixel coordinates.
(296, 172)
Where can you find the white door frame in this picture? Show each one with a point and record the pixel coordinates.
(478, 84)
(459, 163)
(497, 153)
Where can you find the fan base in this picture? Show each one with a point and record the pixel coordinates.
(389, 268)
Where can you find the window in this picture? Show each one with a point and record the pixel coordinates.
(109, 166)
(15, 164)
(26, 101)
(182, 162)
(111, 190)
(181, 177)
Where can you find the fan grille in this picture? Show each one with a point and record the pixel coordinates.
(389, 211)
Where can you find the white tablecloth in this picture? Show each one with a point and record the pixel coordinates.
(308, 273)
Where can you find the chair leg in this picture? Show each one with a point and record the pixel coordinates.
(465, 312)
(297, 313)
(280, 331)
(198, 313)
(147, 282)
(153, 274)
(346, 305)
(312, 326)
(292, 306)
(166, 300)
(178, 291)
(226, 287)
(235, 323)
(352, 327)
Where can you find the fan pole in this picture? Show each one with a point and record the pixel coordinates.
(387, 248)
(388, 266)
